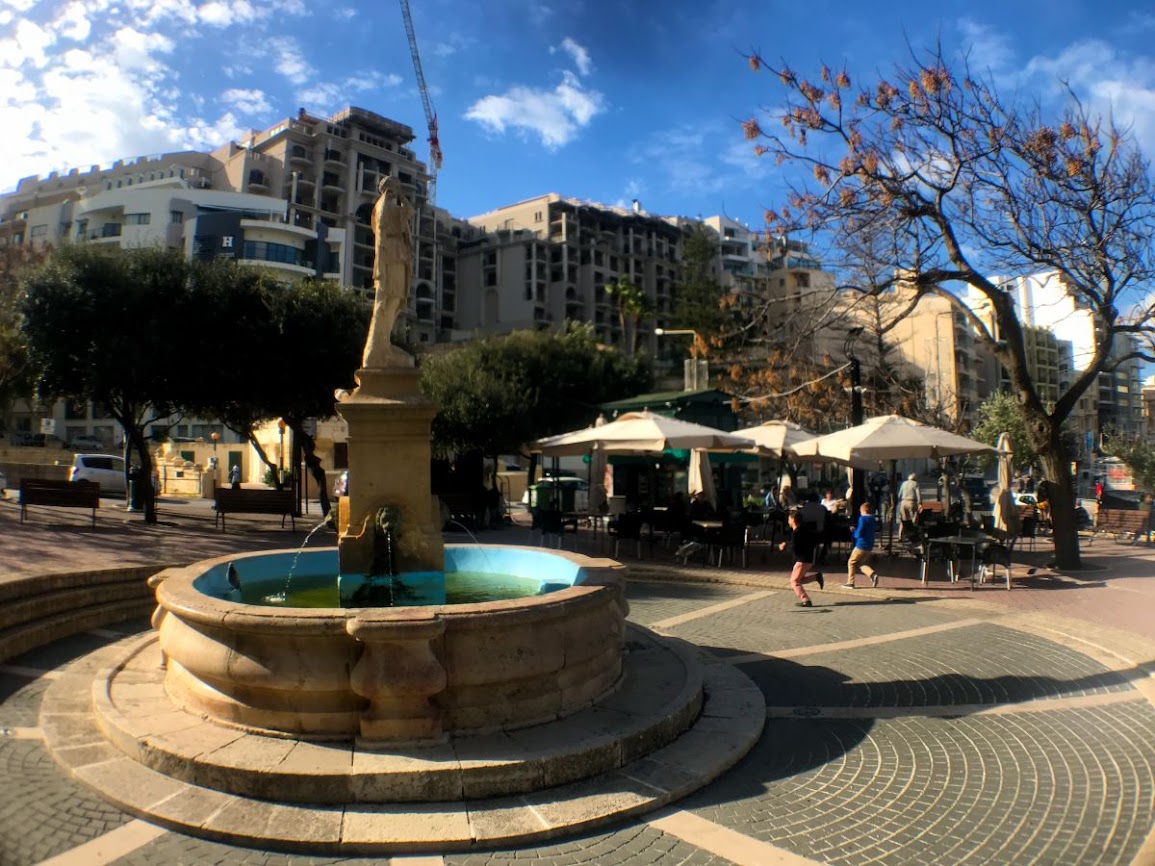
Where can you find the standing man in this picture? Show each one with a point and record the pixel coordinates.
(909, 498)
(235, 476)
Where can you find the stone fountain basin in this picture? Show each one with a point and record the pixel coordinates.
(401, 674)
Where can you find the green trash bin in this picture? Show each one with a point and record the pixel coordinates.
(561, 494)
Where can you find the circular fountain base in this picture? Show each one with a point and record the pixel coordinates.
(678, 720)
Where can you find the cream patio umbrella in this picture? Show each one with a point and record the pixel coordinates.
(775, 438)
(1006, 510)
(640, 433)
(884, 438)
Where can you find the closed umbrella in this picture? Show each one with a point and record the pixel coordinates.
(701, 478)
(598, 490)
(1006, 510)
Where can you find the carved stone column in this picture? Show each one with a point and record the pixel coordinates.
(389, 459)
(399, 674)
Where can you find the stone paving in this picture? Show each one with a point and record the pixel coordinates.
(904, 727)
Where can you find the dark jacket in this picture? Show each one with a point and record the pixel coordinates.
(804, 543)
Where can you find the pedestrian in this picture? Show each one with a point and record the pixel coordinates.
(909, 498)
(804, 541)
(235, 476)
(863, 547)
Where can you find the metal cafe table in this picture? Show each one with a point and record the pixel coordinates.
(954, 544)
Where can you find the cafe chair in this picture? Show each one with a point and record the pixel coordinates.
(626, 527)
(548, 522)
(1028, 530)
(731, 540)
(995, 555)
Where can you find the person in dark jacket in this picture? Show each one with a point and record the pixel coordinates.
(804, 541)
(863, 548)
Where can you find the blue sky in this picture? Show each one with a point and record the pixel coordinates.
(594, 99)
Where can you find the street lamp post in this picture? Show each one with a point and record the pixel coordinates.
(281, 452)
(695, 371)
(857, 482)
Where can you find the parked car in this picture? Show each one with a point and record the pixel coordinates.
(107, 470)
(1026, 499)
(86, 443)
(36, 440)
(3, 484)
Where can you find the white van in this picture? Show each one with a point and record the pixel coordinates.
(107, 470)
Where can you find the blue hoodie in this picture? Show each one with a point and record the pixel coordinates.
(864, 533)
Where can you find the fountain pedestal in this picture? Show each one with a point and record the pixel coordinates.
(389, 457)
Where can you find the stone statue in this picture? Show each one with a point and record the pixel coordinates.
(392, 273)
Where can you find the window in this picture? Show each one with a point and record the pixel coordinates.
(267, 252)
(137, 219)
(39, 231)
(537, 216)
(177, 217)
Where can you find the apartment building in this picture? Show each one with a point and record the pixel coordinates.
(544, 260)
(1043, 302)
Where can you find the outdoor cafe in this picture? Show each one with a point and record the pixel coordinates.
(643, 492)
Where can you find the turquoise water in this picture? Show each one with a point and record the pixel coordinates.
(474, 574)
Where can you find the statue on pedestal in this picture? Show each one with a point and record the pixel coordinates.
(392, 274)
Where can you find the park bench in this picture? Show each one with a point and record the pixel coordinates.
(1124, 524)
(61, 494)
(244, 501)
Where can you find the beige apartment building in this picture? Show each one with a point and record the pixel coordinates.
(544, 260)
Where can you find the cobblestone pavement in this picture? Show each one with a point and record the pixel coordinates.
(904, 727)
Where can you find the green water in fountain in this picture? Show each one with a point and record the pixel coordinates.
(461, 587)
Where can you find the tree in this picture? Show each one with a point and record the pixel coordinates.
(633, 304)
(113, 327)
(496, 394)
(700, 300)
(1138, 454)
(16, 374)
(961, 183)
(283, 354)
(1002, 413)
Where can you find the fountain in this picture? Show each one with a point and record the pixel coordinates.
(380, 676)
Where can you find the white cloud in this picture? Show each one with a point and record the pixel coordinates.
(1108, 82)
(578, 54)
(73, 22)
(327, 96)
(28, 44)
(290, 62)
(986, 49)
(246, 101)
(556, 115)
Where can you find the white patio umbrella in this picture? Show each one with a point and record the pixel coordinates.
(640, 433)
(884, 438)
(775, 438)
(1006, 511)
(701, 478)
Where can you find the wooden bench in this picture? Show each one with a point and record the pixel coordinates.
(244, 501)
(1124, 524)
(62, 494)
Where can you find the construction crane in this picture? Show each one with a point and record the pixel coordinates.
(430, 114)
